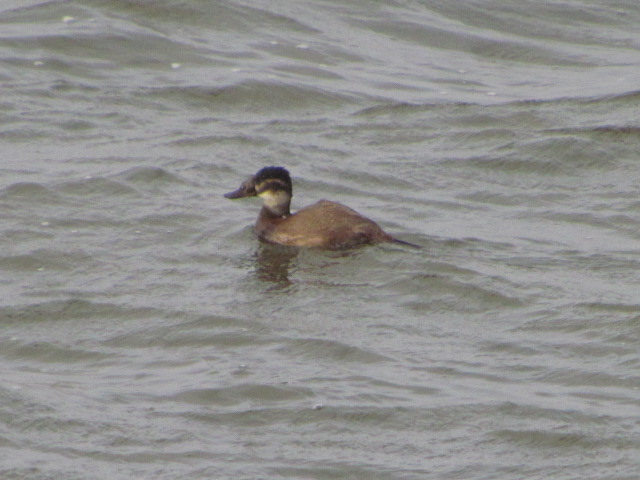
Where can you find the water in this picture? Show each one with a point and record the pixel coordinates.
(145, 332)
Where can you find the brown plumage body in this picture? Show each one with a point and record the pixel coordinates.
(324, 224)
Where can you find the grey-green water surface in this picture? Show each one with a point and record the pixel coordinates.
(145, 333)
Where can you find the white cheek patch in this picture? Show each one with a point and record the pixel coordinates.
(273, 199)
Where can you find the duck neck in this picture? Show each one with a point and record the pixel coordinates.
(275, 212)
(276, 204)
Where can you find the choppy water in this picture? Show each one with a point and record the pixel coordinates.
(144, 331)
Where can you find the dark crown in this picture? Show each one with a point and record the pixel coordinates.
(274, 173)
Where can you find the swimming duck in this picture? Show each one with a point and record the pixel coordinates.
(324, 224)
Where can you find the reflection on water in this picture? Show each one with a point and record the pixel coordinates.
(273, 263)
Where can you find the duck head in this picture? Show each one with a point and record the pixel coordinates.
(273, 185)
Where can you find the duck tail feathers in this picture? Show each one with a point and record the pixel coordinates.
(402, 242)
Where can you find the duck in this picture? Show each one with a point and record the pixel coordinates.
(325, 224)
